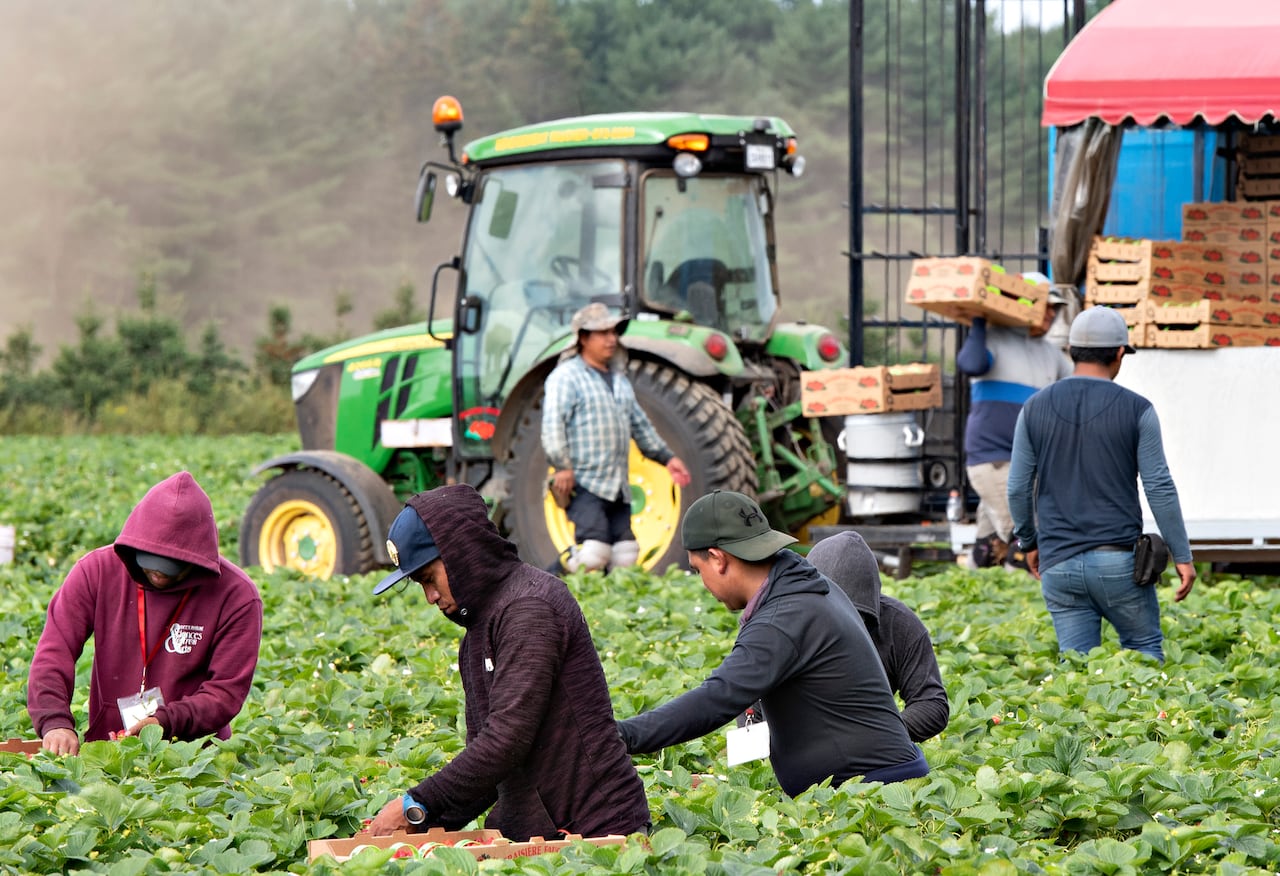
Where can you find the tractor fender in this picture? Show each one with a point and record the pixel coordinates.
(680, 355)
(377, 501)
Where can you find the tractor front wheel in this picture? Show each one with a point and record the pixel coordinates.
(306, 520)
(697, 426)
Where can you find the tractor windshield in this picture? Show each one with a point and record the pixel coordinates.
(542, 240)
(706, 251)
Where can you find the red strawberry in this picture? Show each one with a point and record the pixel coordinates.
(1163, 273)
(1271, 318)
(1214, 278)
(1222, 315)
(1196, 214)
(922, 270)
(1162, 252)
(1222, 340)
(1213, 255)
(1193, 235)
(1161, 291)
(964, 269)
(1251, 278)
(1251, 213)
(869, 380)
(1250, 234)
(868, 404)
(1213, 295)
(815, 385)
(1250, 258)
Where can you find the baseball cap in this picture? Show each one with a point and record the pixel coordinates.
(156, 563)
(595, 317)
(735, 524)
(411, 547)
(1099, 327)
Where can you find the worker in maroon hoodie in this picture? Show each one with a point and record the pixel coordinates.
(176, 629)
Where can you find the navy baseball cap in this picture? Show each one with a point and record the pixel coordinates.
(411, 548)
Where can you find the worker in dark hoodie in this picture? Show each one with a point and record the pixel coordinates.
(176, 629)
(542, 747)
(900, 637)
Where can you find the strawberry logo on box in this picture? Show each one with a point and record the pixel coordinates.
(1222, 340)
(1197, 214)
(1272, 318)
(1253, 298)
(922, 270)
(1251, 213)
(1273, 342)
(1213, 295)
(1222, 315)
(1163, 273)
(1215, 278)
(868, 380)
(1251, 278)
(965, 269)
(1194, 235)
(815, 386)
(1250, 257)
(1162, 252)
(869, 404)
(1161, 291)
(817, 407)
(1213, 255)
(1250, 234)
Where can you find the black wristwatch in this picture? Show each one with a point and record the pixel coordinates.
(1024, 546)
(414, 812)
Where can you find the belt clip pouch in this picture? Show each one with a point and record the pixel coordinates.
(1150, 559)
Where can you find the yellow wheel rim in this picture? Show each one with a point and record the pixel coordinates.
(298, 535)
(655, 510)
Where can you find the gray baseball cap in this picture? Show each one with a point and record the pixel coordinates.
(1099, 327)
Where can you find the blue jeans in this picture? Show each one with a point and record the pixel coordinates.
(1088, 587)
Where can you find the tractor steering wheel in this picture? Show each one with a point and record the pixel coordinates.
(562, 266)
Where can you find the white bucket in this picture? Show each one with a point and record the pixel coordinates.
(884, 473)
(8, 538)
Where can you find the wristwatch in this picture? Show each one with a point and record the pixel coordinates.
(1025, 546)
(414, 812)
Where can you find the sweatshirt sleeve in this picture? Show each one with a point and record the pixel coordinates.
(751, 670)
(68, 626)
(926, 709)
(974, 358)
(232, 661)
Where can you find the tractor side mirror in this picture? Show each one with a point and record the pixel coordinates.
(426, 194)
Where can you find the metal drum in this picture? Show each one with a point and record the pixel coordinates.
(884, 474)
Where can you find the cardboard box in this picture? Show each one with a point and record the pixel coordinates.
(1211, 312)
(1142, 335)
(21, 746)
(1207, 336)
(1231, 233)
(1258, 188)
(483, 844)
(1222, 213)
(876, 389)
(962, 288)
(1252, 144)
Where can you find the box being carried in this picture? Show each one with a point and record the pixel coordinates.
(877, 389)
(962, 288)
(482, 844)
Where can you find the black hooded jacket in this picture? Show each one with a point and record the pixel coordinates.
(542, 746)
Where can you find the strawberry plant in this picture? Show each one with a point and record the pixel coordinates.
(1099, 763)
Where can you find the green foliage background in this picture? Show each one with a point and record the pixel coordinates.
(1107, 763)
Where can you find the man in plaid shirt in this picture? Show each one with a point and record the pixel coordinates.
(589, 416)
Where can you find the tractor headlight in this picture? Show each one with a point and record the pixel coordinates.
(301, 381)
(687, 164)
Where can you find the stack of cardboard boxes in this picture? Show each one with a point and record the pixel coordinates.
(1259, 162)
(1217, 287)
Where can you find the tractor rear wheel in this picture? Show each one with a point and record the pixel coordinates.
(697, 426)
(306, 520)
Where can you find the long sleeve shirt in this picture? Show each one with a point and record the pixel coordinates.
(588, 420)
(1078, 450)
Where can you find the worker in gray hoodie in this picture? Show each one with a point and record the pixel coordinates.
(899, 635)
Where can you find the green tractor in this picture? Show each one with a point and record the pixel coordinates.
(667, 217)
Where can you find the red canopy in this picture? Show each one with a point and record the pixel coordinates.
(1176, 59)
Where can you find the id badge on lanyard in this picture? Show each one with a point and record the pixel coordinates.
(147, 701)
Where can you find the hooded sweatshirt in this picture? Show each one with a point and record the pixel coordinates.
(201, 633)
(901, 639)
(805, 654)
(541, 737)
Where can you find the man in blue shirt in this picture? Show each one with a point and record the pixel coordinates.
(1078, 450)
(589, 417)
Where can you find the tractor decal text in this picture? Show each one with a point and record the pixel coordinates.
(364, 369)
(567, 136)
